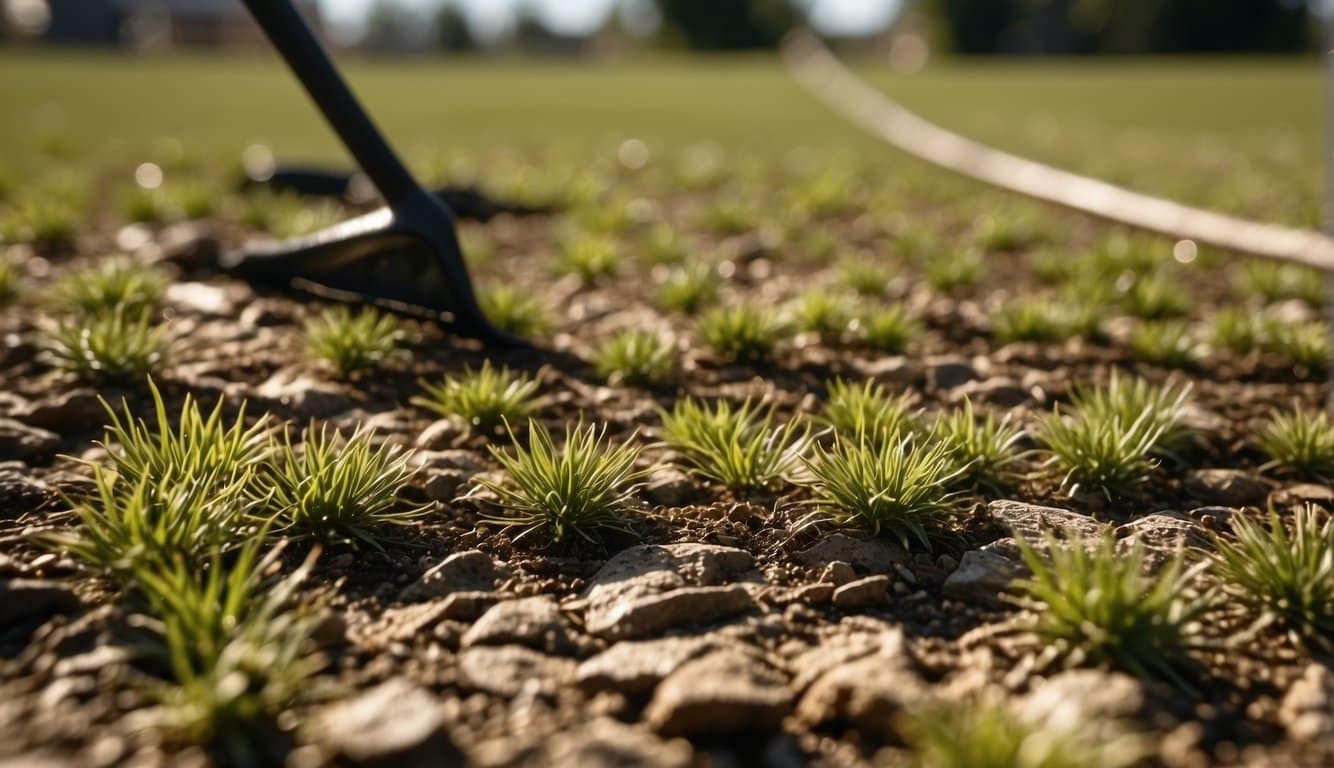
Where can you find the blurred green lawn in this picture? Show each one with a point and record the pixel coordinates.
(1238, 134)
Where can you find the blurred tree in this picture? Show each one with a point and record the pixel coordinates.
(727, 24)
(452, 32)
(1118, 26)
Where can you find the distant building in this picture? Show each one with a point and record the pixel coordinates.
(148, 24)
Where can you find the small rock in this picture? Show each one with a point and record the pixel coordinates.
(19, 493)
(895, 369)
(28, 599)
(1030, 521)
(20, 442)
(69, 412)
(509, 670)
(599, 743)
(200, 298)
(838, 573)
(998, 391)
(440, 434)
(265, 313)
(532, 621)
(1162, 536)
(722, 692)
(1212, 518)
(949, 371)
(855, 594)
(460, 460)
(871, 555)
(1307, 710)
(1083, 695)
(442, 484)
(867, 692)
(1303, 493)
(1226, 487)
(654, 614)
(394, 724)
(470, 571)
(668, 487)
(814, 594)
(981, 577)
(304, 395)
(634, 668)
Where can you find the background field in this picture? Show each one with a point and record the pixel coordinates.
(1239, 134)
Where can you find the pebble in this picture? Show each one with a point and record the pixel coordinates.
(727, 691)
(34, 599)
(1226, 487)
(20, 442)
(635, 667)
(511, 670)
(534, 622)
(397, 723)
(468, 571)
(862, 592)
(871, 555)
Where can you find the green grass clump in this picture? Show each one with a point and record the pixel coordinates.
(1168, 343)
(514, 311)
(484, 400)
(113, 285)
(1284, 577)
(341, 489)
(867, 412)
(890, 329)
(688, 288)
(954, 273)
(1237, 329)
(352, 342)
(1155, 297)
(236, 654)
(895, 487)
(986, 451)
(586, 485)
(589, 257)
(1270, 282)
(1304, 346)
(41, 220)
(1032, 319)
(9, 280)
(635, 357)
(1107, 437)
(664, 245)
(106, 347)
(983, 733)
(741, 331)
(1094, 606)
(741, 448)
(148, 206)
(863, 276)
(823, 313)
(1300, 441)
(726, 217)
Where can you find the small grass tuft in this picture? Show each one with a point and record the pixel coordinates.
(741, 332)
(985, 451)
(113, 285)
(688, 288)
(588, 257)
(513, 311)
(823, 313)
(1237, 329)
(1164, 342)
(867, 412)
(954, 273)
(742, 448)
(340, 489)
(1093, 605)
(1032, 319)
(635, 357)
(1271, 282)
(586, 485)
(1284, 577)
(1305, 346)
(106, 347)
(352, 342)
(895, 487)
(484, 400)
(1156, 297)
(889, 329)
(1299, 441)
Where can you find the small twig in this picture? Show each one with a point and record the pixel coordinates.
(811, 63)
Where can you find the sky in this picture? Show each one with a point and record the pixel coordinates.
(490, 16)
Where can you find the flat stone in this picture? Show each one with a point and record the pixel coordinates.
(68, 412)
(982, 576)
(442, 484)
(867, 692)
(599, 743)
(463, 461)
(1303, 493)
(440, 434)
(813, 594)
(1083, 695)
(870, 555)
(29, 599)
(200, 298)
(535, 622)
(668, 487)
(393, 724)
(635, 668)
(1226, 487)
(304, 395)
(640, 572)
(653, 614)
(1162, 536)
(19, 492)
(469, 571)
(1030, 521)
(722, 692)
(846, 644)
(1307, 711)
(838, 573)
(509, 670)
(20, 442)
(998, 391)
(855, 594)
